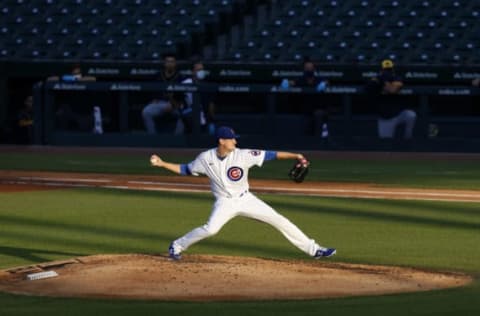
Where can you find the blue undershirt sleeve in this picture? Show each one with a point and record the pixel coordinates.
(184, 170)
(270, 155)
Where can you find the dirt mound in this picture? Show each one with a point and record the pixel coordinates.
(213, 278)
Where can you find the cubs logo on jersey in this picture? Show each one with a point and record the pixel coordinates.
(235, 173)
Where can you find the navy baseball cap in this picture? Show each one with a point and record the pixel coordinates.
(225, 132)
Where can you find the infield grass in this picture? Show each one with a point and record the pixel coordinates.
(47, 225)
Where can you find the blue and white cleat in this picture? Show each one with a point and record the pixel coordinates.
(175, 255)
(325, 253)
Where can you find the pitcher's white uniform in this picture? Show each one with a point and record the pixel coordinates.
(229, 184)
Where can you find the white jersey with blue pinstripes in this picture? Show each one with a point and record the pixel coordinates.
(228, 175)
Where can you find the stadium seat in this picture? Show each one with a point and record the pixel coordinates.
(332, 31)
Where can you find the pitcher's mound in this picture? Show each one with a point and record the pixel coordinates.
(211, 278)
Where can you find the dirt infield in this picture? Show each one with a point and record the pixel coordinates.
(218, 278)
(11, 178)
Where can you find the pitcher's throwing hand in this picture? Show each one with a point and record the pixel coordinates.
(156, 161)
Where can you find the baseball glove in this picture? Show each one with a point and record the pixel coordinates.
(299, 170)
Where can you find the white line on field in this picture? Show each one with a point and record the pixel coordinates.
(166, 189)
(440, 194)
(56, 184)
(314, 193)
(65, 179)
(170, 184)
(324, 192)
(174, 187)
(319, 190)
(116, 187)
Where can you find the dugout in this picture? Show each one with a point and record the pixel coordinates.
(257, 113)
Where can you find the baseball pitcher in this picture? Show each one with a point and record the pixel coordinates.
(227, 168)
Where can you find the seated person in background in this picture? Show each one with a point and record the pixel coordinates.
(206, 99)
(183, 104)
(182, 111)
(383, 89)
(68, 115)
(162, 105)
(74, 75)
(476, 82)
(318, 123)
(25, 122)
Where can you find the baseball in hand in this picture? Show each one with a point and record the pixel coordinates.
(155, 160)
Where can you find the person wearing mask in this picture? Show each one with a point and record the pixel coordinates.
(206, 100)
(310, 103)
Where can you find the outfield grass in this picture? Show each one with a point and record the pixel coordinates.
(394, 172)
(57, 224)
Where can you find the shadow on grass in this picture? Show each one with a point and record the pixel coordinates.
(112, 239)
(451, 207)
(377, 216)
(33, 255)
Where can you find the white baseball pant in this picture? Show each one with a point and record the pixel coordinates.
(151, 111)
(248, 205)
(386, 127)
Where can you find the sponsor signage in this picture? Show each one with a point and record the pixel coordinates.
(342, 90)
(69, 86)
(330, 74)
(406, 91)
(252, 73)
(143, 71)
(182, 88)
(466, 75)
(286, 90)
(369, 74)
(421, 75)
(235, 73)
(455, 91)
(298, 73)
(125, 87)
(286, 73)
(231, 88)
(253, 88)
(103, 71)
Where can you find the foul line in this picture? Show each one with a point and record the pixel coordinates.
(195, 187)
(170, 184)
(64, 179)
(373, 192)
